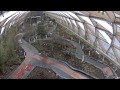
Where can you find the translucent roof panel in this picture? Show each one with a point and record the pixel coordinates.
(78, 12)
(92, 37)
(87, 19)
(118, 29)
(116, 42)
(82, 33)
(10, 17)
(74, 22)
(60, 13)
(106, 45)
(68, 20)
(100, 35)
(81, 25)
(64, 19)
(73, 15)
(67, 14)
(92, 29)
(106, 36)
(2, 29)
(101, 25)
(105, 24)
(117, 15)
(6, 15)
(111, 53)
(106, 27)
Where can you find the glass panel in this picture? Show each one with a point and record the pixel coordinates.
(98, 46)
(118, 37)
(111, 54)
(89, 31)
(79, 12)
(64, 19)
(20, 14)
(91, 28)
(111, 51)
(82, 33)
(10, 25)
(60, 13)
(72, 14)
(16, 16)
(74, 22)
(81, 25)
(66, 13)
(118, 25)
(6, 15)
(87, 19)
(117, 51)
(106, 45)
(2, 30)
(105, 36)
(57, 12)
(61, 18)
(116, 42)
(68, 20)
(105, 24)
(10, 18)
(118, 33)
(101, 36)
(92, 37)
(117, 15)
(118, 28)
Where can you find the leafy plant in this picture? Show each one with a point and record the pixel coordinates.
(41, 31)
(8, 47)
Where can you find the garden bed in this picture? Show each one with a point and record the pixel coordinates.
(42, 73)
(59, 52)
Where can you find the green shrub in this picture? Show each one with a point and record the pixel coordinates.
(41, 31)
(8, 46)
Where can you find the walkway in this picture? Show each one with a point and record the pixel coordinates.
(32, 55)
(107, 71)
(79, 54)
(30, 63)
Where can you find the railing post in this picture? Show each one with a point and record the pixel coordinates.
(89, 53)
(82, 57)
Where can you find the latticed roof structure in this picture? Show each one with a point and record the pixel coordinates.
(100, 29)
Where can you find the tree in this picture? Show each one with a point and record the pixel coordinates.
(41, 31)
(8, 46)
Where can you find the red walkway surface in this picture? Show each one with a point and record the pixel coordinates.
(25, 66)
(19, 72)
(61, 67)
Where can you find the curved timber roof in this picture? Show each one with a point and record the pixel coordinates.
(100, 29)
